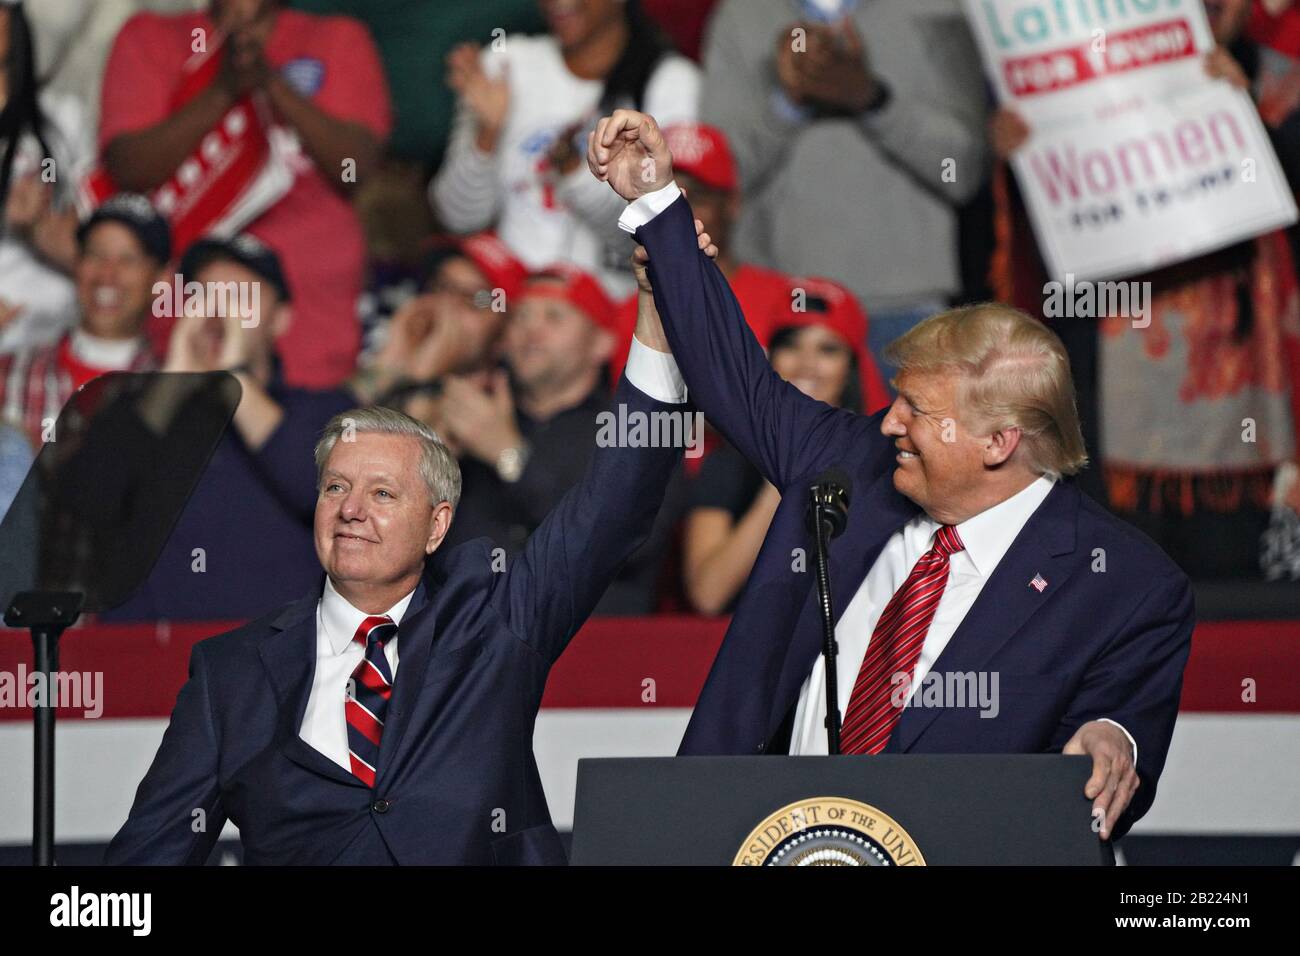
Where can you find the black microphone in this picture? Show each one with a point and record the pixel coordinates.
(831, 491)
(828, 514)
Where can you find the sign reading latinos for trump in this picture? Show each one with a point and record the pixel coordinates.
(1136, 158)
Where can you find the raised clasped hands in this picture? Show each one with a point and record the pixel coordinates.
(627, 150)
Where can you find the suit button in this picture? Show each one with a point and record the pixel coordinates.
(380, 806)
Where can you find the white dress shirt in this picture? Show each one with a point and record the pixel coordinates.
(987, 537)
(324, 725)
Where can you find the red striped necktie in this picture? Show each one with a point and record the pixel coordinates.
(895, 648)
(369, 690)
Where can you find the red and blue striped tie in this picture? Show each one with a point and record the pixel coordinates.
(369, 690)
(895, 648)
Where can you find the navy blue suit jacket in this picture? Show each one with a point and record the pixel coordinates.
(1094, 643)
(456, 780)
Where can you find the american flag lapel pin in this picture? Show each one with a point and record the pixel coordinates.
(1039, 583)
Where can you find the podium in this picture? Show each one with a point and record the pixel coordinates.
(883, 810)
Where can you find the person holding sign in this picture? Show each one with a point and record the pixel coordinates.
(1186, 404)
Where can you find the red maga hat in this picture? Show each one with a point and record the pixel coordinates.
(493, 258)
(829, 304)
(701, 152)
(570, 284)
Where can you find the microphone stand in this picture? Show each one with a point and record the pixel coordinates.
(828, 514)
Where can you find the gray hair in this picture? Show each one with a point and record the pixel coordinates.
(438, 466)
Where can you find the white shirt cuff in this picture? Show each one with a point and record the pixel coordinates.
(642, 210)
(1121, 727)
(655, 373)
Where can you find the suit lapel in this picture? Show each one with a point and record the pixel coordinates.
(289, 656)
(1007, 600)
(448, 614)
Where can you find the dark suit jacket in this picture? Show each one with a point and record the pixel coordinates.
(1095, 643)
(456, 780)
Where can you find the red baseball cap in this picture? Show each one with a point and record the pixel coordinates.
(493, 258)
(827, 303)
(701, 151)
(570, 284)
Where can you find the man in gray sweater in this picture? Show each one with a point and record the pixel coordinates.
(857, 139)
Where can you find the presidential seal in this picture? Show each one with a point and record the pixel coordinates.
(829, 831)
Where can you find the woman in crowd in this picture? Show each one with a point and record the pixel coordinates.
(817, 343)
(525, 107)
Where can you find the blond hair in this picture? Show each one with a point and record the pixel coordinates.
(1013, 373)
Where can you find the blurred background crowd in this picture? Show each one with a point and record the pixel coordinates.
(426, 235)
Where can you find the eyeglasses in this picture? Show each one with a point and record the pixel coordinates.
(471, 296)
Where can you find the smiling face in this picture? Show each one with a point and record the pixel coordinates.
(374, 521)
(816, 361)
(941, 465)
(115, 278)
(550, 343)
(985, 407)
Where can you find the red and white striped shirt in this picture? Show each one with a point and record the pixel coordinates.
(35, 383)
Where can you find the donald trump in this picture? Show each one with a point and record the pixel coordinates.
(968, 549)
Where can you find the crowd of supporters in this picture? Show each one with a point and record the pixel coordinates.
(424, 234)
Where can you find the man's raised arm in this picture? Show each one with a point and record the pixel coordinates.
(569, 561)
(782, 431)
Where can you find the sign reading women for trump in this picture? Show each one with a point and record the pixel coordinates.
(1136, 157)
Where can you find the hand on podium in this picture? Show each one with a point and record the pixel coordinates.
(1114, 777)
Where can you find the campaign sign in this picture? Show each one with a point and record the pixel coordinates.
(1136, 157)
